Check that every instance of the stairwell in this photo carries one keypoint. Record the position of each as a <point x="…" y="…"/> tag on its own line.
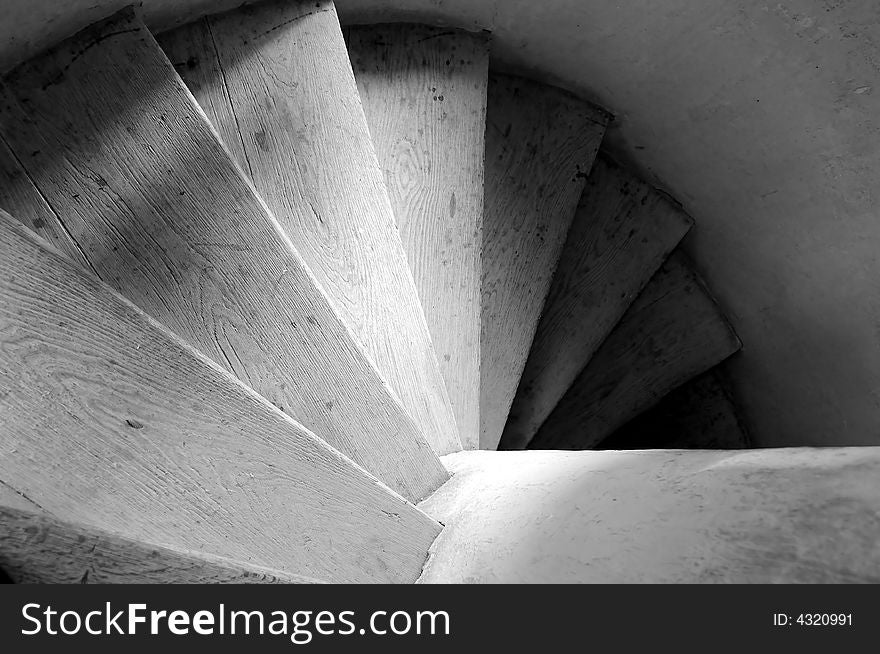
<point x="268" y="280"/>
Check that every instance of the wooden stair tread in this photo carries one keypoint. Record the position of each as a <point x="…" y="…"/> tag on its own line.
<point x="697" y="415"/>
<point x="291" y="102"/>
<point x="540" y="145"/>
<point x="138" y="180"/>
<point x="22" y="199"/>
<point x="424" y="95"/>
<point x="621" y="234"/>
<point x="37" y="548"/>
<point x="111" y="420"/>
<point x="673" y="332"/>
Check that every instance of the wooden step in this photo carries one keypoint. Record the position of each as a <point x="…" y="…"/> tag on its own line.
<point x="424" y="95"/>
<point x="142" y="188"/>
<point x="540" y="145"/>
<point x="697" y="415"/>
<point x="673" y="332"/>
<point x="21" y="198"/>
<point x="36" y="548"/>
<point x="276" y="80"/>
<point x="110" y="420"/>
<point x="622" y="232"/>
<point x="793" y="515"/>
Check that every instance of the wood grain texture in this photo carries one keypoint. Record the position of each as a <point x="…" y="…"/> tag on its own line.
<point x="144" y="190"/>
<point x="295" y="106"/>
<point x="112" y="421"/>
<point x="540" y="145"/>
<point x="36" y="548"/>
<point x="424" y="95"/>
<point x="19" y="197"/>
<point x="698" y="415"/>
<point x="192" y="52"/>
<point x="673" y="332"/>
<point x="622" y="231"/>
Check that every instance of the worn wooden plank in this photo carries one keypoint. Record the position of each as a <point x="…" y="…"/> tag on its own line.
<point x="192" y="52"/>
<point x="140" y="183"/>
<point x="673" y="332"/>
<point x="19" y="197"/>
<point x="36" y="548"/>
<point x="112" y="421"/>
<point x="424" y="94"/>
<point x="697" y="415"/>
<point x="540" y="145"/>
<point x="294" y="103"/>
<point x="622" y="232"/>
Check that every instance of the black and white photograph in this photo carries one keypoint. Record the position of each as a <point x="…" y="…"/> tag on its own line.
<point x="476" y="298"/>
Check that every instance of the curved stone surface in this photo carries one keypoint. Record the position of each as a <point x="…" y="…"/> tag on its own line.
<point x="658" y="516"/>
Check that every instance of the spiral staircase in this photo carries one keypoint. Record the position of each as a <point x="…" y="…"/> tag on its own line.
<point x="274" y="293"/>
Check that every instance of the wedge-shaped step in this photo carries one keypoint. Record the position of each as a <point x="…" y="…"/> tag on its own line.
<point x="622" y="232"/>
<point x="540" y="145"/>
<point x="112" y="421"/>
<point x="36" y="548"/>
<point x="19" y="197"/>
<point x="697" y="415"/>
<point x="276" y="80"/>
<point x="673" y="332"/>
<point x="141" y="188"/>
<point x="750" y="516"/>
<point x="424" y="95"/>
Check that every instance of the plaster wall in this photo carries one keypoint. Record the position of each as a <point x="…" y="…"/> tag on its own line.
<point x="760" y="117"/>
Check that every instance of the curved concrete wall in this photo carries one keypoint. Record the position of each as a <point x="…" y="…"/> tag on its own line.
<point x="760" y="117"/>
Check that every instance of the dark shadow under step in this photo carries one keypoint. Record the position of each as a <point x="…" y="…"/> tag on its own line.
<point x="697" y="415"/>
<point x="621" y="234"/>
<point x="673" y="332"/>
